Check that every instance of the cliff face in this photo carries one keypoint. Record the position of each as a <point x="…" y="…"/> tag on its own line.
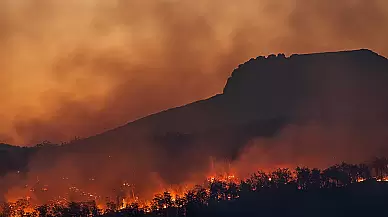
<point x="320" y="86"/>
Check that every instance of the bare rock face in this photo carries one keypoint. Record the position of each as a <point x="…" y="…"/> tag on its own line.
<point x="337" y="86"/>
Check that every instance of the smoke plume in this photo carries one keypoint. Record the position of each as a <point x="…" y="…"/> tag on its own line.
<point x="78" y="68"/>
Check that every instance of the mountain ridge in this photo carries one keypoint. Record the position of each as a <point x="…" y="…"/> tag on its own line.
<point x="238" y="69"/>
<point x="267" y="92"/>
<point x="262" y="98"/>
<point x="271" y="59"/>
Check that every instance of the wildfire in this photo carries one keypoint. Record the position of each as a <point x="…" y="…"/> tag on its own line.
<point x="223" y="178"/>
<point x="128" y="198"/>
<point x="384" y="179"/>
<point x="360" y="179"/>
<point x="124" y="204"/>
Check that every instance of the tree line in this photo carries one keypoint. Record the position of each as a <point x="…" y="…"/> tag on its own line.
<point x="272" y="192"/>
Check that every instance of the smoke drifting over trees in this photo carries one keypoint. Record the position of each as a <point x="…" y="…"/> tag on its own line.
<point x="79" y="68"/>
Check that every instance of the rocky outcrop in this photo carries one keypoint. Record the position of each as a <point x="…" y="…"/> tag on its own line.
<point x="279" y="85"/>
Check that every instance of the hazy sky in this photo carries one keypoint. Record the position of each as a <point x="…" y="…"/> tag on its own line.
<point x="76" y="68"/>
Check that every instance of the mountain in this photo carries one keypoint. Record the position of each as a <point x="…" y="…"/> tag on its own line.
<point x="275" y="88"/>
<point x="266" y="93"/>
<point x="262" y="97"/>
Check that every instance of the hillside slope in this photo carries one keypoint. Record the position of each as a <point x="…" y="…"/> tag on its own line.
<point x="345" y="93"/>
<point x="347" y="87"/>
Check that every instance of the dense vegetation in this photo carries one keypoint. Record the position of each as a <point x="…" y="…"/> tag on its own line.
<point x="340" y="190"/>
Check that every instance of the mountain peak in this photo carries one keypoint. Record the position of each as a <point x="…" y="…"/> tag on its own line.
<point x="263" y="67"/>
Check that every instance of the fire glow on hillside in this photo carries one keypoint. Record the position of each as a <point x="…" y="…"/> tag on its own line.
<point x="27" y="202"/>
<point x="219" y="186"/>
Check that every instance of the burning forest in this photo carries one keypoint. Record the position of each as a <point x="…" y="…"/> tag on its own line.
<point x="206" y="151"/>
<point x="167" y="122"/>
<point x="203" y="199"/>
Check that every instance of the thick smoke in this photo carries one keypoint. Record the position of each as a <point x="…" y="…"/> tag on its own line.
<point x="312" y="145"/>
<point x="79" y="68"/>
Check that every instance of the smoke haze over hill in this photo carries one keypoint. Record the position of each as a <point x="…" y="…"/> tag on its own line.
<point x="78" y="68"/>
<point x="275" y="111"/>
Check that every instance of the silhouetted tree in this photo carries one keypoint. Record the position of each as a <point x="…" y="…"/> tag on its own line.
<point x="201" y="195"/>
<point x="74" y="209"/>
<point x="303" y="177"/>
<point x="334" y="176"/>
<point x="43" y="210"/>
<point x="245" y="188"/>
<point x="158" y="202"/>
<point x="217" y="191"/>
<point x="259" y="180"/>
<point x="281" y="176"/>
<point x="59" y="210"/>
<point x="315" y="179"/>
<point x="180" y="203"/>
<point x="346" y="173"/>
<point x="162" y="203"/>
<point x="232" y="191"/>
<point x="196" y="199"/>
<point x="380" y="166"/>
<point x="111" y="207"/>
<point x="364" y="171"/>
<point x="131" y="210"/>
<point x="167" y="199"/>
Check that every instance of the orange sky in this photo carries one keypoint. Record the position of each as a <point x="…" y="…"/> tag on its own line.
<point x="76" y="68"/>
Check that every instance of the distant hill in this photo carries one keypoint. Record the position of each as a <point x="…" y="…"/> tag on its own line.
<point x="261" y="97"/>
<point x="13" y="158"/>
